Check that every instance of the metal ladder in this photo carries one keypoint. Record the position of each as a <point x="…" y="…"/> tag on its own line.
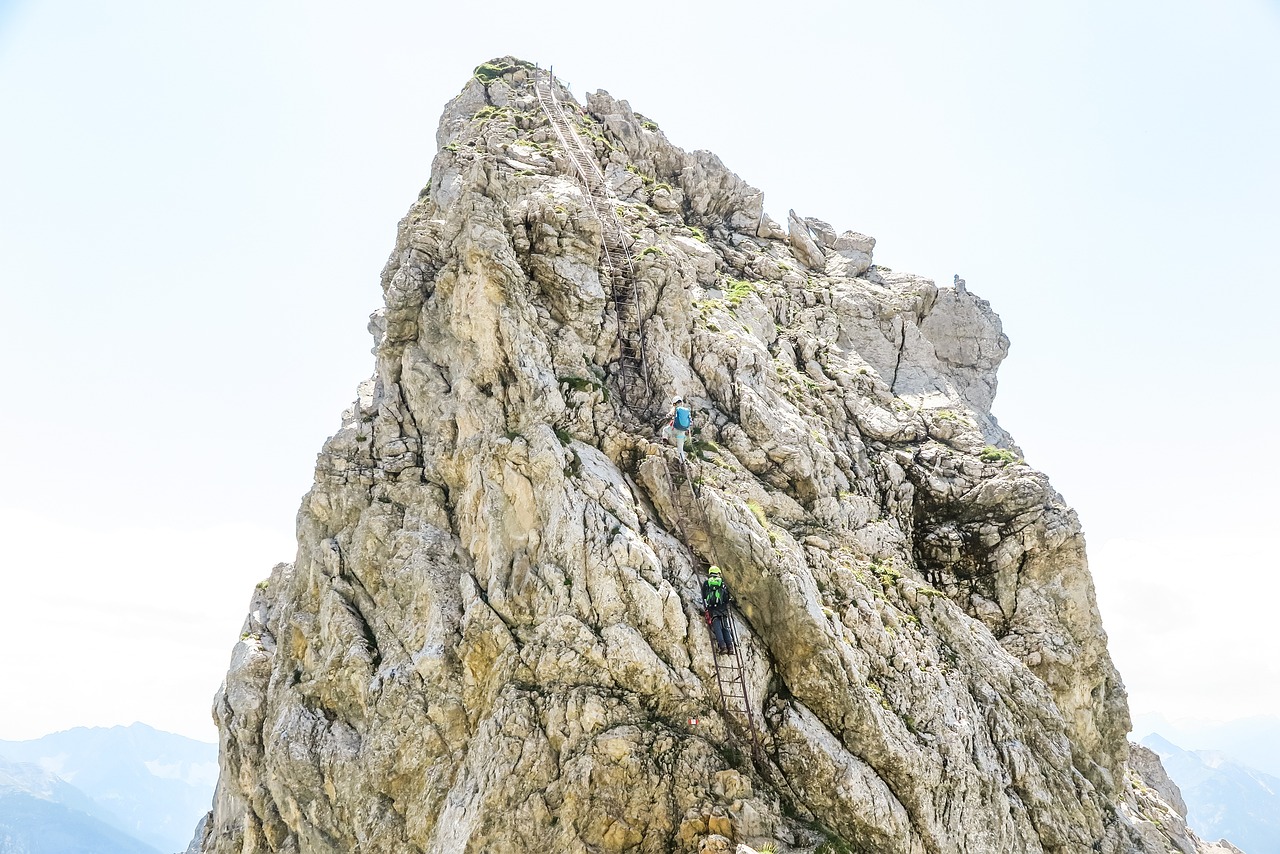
<point x="633" y="380"/>
<point x="633" y="369"/>
<point x="731" y="671"/>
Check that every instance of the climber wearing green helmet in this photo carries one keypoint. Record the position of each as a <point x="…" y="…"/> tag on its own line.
<point x="715" y="603"/>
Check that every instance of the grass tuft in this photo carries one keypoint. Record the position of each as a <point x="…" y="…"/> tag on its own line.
<point x="737" y="290"/>
<point x="992" y="454"/>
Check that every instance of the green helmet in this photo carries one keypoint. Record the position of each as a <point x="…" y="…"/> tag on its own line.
<point x="714" y="570"/>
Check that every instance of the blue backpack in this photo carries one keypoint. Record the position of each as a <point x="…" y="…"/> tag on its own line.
<point x="683" y="419"/>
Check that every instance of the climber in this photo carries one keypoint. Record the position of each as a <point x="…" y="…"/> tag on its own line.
<point x="679" y="421"/>
<point x="715" y="602"/>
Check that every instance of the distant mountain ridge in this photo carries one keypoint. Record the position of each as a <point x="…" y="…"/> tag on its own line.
<point x="1224" y="797"/>
<point x="1257" y="737"/>
<point x="153" y="785"/>
<point x="43" y="814"/>
<point x="31" y="779"/>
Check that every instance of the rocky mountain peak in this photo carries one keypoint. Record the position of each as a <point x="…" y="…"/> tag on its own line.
<point x="493" y="638"/>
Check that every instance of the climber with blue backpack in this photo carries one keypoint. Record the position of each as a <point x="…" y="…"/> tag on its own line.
<point x="715" y="603"/>
<point x="679" y="423"/>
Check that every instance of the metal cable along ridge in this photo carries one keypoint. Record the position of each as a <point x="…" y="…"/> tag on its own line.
<point x="632" y="372"/>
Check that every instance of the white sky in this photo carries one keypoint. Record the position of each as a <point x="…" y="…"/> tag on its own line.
<point x="196" y="200"/>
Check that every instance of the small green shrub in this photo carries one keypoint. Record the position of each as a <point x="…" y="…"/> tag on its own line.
<point x="992" y="454"/>
<point x="887" y="572"/>
<point x="487" y="72"/>
<point x="875" y="688"/>
<point x="738" y="290"/>
<point x="580" y="383"/>
<point x="833" y="845"/>
<point x="697" y="233"/>
<point x="701" y="447"/>
<point x="646" y="180"/>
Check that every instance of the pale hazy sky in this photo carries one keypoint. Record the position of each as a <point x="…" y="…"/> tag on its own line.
<point x="196" y="200"/>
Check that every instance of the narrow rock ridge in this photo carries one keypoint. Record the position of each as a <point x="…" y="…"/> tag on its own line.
<point x="491" y="638"/>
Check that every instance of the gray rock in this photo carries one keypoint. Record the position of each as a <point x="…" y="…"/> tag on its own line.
<point x="802" y="244"/>
<point x="855" y="242"/>
<point x="491" y="638"/>
<point x="1154" y="807"/>
<point x="770" y="230"/>
<point x="197" y="838"/>
<point x="1147" y="764"/>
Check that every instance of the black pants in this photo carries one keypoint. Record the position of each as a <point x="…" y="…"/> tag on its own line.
<point x="721" y="630"/>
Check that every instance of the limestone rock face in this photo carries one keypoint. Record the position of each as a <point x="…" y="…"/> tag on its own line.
<point x="197" y="838"/>
<point x="1153" y="805"/>
<point x="491" y="638"/>
<point x="1146" y="764"/>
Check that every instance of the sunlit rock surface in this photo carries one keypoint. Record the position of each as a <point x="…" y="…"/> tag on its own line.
<point x="491" y="640"/>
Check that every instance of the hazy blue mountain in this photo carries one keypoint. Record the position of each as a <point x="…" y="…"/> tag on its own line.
<point x="42" y="814"/>
<point x="1257" y="738"/>
<point x="28" y="779"/>
<point x="1225" y="799"/>
<point x="155" y="785"/>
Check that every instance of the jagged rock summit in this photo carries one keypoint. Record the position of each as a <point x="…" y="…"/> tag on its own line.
<point x="491" y="638"/>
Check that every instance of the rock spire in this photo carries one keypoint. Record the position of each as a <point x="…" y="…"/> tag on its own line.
<point x="491" y="638"/>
